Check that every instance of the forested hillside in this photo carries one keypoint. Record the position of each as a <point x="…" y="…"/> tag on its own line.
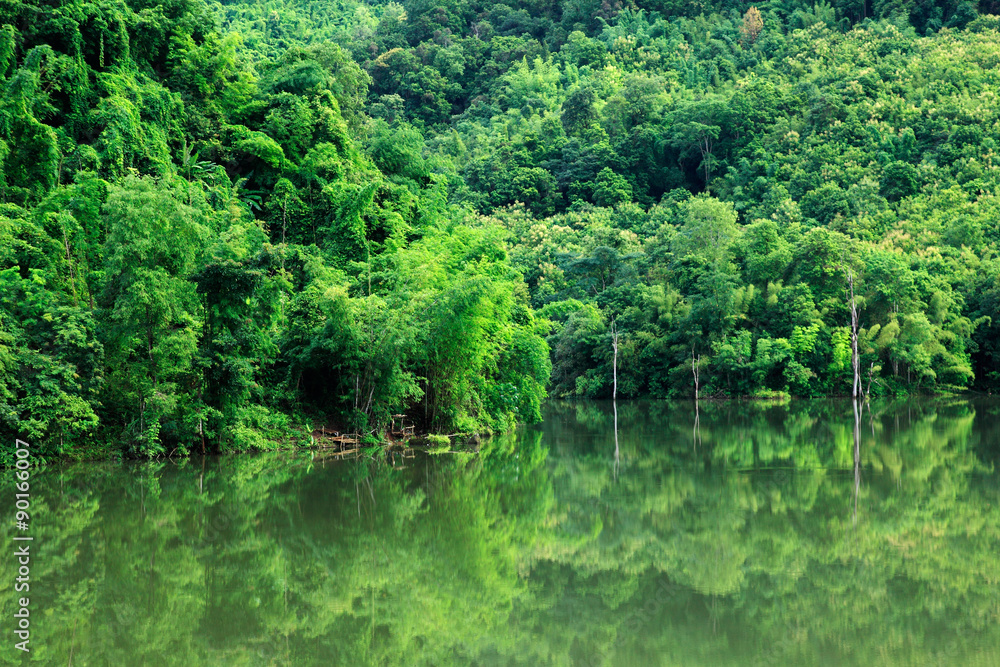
<point x="223" y="222"/>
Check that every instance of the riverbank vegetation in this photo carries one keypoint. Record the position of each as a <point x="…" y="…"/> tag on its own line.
<point x="221" y="222"/>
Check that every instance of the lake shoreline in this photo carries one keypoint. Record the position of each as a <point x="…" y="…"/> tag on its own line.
<point x="348" y="443"/>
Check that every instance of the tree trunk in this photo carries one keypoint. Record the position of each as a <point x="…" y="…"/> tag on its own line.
<point x="696" y="371"/>
<point x="614" y="367"/>
<point x="855" y="359"/>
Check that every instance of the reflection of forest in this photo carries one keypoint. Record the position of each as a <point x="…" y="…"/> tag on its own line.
<point x="735" y="547"/>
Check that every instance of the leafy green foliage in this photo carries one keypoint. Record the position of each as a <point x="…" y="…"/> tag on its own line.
<point x="199" y="253"/>
<point x="261" y="214"/>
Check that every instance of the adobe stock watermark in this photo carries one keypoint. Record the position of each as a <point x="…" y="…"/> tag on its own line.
<point x="22" y="552"/>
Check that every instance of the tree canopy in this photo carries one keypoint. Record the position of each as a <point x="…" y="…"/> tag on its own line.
<point x="222" y="222"/>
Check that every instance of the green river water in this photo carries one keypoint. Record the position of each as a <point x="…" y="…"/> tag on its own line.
<point x="756" y="534"/>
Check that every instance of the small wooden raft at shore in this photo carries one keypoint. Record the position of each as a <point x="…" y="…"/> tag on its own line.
<point x="322" y="440"/>
<point x="403" y="430"/>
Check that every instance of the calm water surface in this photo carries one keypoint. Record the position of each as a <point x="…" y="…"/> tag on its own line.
<point x="763" y="534"/>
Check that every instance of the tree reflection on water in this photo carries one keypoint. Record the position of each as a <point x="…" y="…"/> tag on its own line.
<point x="758" y="546"/>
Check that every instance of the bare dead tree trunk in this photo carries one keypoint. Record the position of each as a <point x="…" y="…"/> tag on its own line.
<point x="855" y="359"/>
<point x="696" y="371"/>
<point x="614" y="367"/>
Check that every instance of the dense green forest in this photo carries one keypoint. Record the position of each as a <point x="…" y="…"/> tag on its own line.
<point x="223" y="223"/>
